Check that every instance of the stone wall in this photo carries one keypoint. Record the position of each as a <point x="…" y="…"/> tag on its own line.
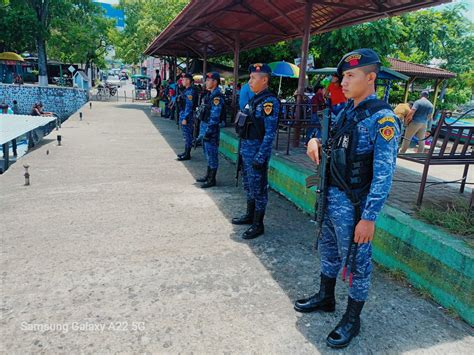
<point x="63" y="101"/>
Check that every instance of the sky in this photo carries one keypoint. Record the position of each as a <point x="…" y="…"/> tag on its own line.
<point x="111" y="2"/>
<point x="470" y="9"/>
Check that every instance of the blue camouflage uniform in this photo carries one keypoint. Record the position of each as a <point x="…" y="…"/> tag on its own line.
<point x="257" y="152"/>
<point x="359" y="157"/>
<point x="210" y="130"/>
<point x="186" y="113"/>
<point x="378" y="134"/>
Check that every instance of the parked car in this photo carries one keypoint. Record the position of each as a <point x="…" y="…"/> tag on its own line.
<point x="113" y="80"/>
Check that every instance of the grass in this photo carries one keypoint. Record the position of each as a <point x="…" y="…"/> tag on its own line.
<point x="456" y="217"/>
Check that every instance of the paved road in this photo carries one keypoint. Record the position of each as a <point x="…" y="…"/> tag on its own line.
<point x="114" y="248"/>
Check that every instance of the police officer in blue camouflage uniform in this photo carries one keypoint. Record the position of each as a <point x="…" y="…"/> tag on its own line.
<point x="210" y="111"/>
<point x="186" y="102"/>
<point x="256" y="127"/>
<point x="362" y="150"/>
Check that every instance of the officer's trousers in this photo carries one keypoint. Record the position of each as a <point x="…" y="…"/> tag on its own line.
<point x="336" y="236"/>
<point x="188" y="133"/>
<point x="211" y="151"/>
<point x="255" y="181"/>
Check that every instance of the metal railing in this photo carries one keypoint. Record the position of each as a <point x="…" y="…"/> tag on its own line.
<point x="309" y="118"/>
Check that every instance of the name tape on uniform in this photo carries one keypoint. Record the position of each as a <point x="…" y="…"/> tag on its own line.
<point x="386" y="119"/>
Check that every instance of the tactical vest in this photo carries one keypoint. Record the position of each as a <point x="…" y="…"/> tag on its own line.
<point x="204" y="110"/>
<point x="350" y="171"/>
<point x="181" y="99"/>
<point x="252" y="127"/>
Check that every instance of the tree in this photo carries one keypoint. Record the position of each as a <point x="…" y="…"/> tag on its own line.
<point x="383" y="36"/>
<point x="446" y="35"/>
<point x="83" y="35"/>
<point x="144" y="20"/>
<point x="70" y="30"/>
<point x="443" y="34"/>
<point x="15" y="26"/>
<point x="41" y="23"/>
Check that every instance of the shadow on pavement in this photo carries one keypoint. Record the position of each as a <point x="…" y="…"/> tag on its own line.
<point x="395" y="319"/>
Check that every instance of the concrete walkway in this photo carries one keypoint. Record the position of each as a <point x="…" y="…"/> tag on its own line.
<point x="113" y="248"/>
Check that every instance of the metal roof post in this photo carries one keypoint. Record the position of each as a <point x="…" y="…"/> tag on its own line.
<point x="438" y="83"/>
<point x="204" y="65"/>
<point x="407" y="87"/>
<point x="302" y="77"/>
<point x="187" y="62"/>
<point x="236" y="73"/>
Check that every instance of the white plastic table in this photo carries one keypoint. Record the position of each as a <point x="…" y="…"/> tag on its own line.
<point x="14" y="126"/>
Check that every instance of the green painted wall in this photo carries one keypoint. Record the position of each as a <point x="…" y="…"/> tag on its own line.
<point x="430" y="258"/>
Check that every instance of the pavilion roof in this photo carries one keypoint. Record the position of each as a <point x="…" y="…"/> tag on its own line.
<point x="419" y="71"/>
<point x="211" y="27"/>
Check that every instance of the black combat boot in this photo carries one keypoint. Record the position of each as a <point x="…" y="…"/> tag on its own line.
<point x="186" y="155"/>
<point x="247" y="218"/>
<point x="211" y="181"/>
<point x="324" y="300"/>
<point x="204" y="178"/>
<point x="348" y="327"/>
<point x="257" y="228"/>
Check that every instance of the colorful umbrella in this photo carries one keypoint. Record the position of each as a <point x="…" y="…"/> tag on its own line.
<point x="198" y="79"/>
<point x="11" y="56"/>
<point x="284" y="69"/>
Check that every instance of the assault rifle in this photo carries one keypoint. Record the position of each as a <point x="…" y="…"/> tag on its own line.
<point x="320" y="179"/>
<point x="239" y="164"/>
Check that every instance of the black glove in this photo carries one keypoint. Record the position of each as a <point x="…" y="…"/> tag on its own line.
<point x="258" y="166"/>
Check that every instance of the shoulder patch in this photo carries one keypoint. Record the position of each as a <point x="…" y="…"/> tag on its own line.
<point x="386" y="119"/>
<point x="190" y="97"/>
<point x="216" y="101"/>
<point x="387" y="132"/>
<point x="268" y="108"/>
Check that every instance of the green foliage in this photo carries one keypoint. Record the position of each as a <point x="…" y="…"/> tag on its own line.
<point x="447" y="35"/>
<point x="75" y="30"/>
<point x="442" y="34"/>
<point x="144" y="20"/>
<point x="17" y="33"/>
<point x="286" y="51"/>
<point x="459" y="92"/>
<point x="383" y="36"/>
<point x="82" y="36"/>
<point x="276" y="52"/>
